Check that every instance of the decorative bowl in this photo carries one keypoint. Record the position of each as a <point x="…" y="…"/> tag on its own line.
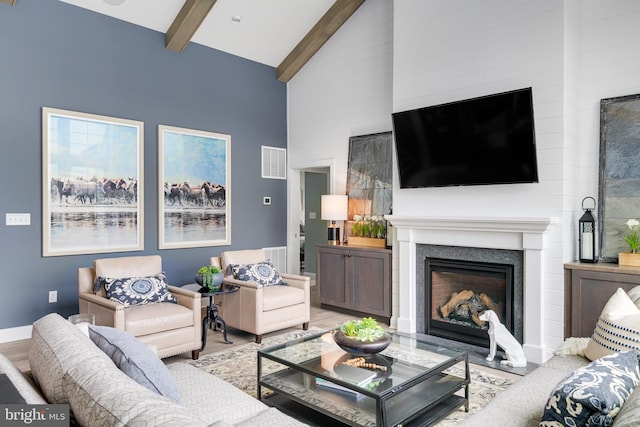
<point x="361" y="348"/>
<point x="213" y="284"/>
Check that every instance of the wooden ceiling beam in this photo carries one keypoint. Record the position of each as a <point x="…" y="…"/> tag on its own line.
<point x="186" y="24"/>
<point x="9" y="2"/>
<point x="337" y="15"/>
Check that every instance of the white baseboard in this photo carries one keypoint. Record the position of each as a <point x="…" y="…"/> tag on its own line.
<point x="536" y="354"/>
<point x="15" y="334"/>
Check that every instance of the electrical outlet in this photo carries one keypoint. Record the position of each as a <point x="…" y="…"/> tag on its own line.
<point x="53" y="296"/>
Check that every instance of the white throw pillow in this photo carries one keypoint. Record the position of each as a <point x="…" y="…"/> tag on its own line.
<point x="634" y="294"/>
<point x="618" y="328"/>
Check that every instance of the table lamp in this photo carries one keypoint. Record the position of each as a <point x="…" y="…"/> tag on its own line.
<point x="333" y="207"/>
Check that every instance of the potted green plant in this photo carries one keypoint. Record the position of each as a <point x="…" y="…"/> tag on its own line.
<point x="210" y="276"/>
<point x="368" y="231"/>
<point x="362" y="336"/>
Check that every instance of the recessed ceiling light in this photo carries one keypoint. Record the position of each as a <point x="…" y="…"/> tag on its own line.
<point x="236" y="19"/>
<point x="114" y="2"/>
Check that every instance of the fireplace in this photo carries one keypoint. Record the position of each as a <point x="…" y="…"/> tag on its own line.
<point x="525" y="236"/>
<point x="458" y="291"/>
<point x="497" y="273"/>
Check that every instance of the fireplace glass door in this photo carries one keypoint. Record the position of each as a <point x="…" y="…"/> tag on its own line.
<point x="459" y="291"/>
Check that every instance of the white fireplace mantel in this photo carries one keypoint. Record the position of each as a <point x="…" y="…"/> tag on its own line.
<point x="500" y="224"/>
<point x="514" y="233"/>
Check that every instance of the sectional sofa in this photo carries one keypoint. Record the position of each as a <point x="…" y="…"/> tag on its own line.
<point x="68" y="368"/>
<point x="570" y="387"/>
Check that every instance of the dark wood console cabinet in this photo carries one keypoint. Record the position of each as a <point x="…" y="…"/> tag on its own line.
<point x="587" y="288"/>
<point x="355" y="278"/>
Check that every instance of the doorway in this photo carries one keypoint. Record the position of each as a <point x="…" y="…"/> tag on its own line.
<point x="297" y="216"/>
<point x="313" y="230"/>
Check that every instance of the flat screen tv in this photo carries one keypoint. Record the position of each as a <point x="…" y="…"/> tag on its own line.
<point x="478" y="141"/>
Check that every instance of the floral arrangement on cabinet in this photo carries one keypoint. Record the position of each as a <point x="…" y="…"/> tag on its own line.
<point x="369" y="226"/>
<point x="633" y="257"/>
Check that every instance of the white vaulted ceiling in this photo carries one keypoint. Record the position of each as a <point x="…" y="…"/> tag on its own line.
<point x="268" y="31"/>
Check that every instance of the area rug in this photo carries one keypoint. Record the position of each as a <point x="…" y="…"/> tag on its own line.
<point x="237" y="366"/>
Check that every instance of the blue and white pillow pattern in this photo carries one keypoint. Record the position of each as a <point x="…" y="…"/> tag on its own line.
<point x="130" y="291"/>
<point x="593" y="395"/>
<point x="262" y="273"/>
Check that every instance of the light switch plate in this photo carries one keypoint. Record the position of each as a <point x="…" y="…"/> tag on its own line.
<point x="18" y="219"/>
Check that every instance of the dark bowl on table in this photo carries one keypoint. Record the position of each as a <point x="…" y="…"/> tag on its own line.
<point x="361" y="348"/>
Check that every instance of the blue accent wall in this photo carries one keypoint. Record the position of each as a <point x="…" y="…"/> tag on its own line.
<point x="56" y="55"/>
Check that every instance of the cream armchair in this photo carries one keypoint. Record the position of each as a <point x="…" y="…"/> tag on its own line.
<point x="171" y="328"/>
<point x="261" y="309"/>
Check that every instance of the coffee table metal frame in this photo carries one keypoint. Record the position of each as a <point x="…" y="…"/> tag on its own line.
<point x="416" y="391"/>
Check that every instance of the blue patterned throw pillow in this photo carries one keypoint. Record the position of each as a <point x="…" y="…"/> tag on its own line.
<point x="593" y="395"/>
<point x="130" y="291"/>
<point x="262" y="273"/>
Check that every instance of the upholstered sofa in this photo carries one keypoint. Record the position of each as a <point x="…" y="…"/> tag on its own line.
<point x="172" y="328"/>
<point x="522" y="404"/>
<point x="616" y="334"/>
<point x="68" y="368"/>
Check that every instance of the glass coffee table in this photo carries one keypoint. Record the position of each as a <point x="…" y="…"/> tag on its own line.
<point x="410" y="383"/>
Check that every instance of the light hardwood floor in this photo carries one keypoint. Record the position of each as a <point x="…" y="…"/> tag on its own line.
<point x="321" y="317"/>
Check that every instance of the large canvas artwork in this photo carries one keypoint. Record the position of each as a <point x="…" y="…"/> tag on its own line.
<point x="92" y="190"/>
<point x="369" y="178"/>
<point x="194" y="181"/>
<point x="619" y="172"/>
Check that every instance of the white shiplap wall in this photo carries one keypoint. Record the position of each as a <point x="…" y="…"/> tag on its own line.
<point x="446" y="51"/>
<point x="393" y="56"/>
<point x="343" y="91"/>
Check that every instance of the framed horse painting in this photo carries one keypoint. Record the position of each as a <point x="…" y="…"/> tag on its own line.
<point x="194" y="182"/>
<point x="92" y="189"/>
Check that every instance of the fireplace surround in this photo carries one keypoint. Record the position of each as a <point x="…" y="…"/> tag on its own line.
<point x="526" y="234"/>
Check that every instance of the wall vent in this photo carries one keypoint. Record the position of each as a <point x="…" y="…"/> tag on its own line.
<point x="278" y="257"/>
<point x="274" y="162"/>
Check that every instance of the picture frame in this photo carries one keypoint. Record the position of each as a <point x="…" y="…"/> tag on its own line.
<point x="370" y="177"/>
<point x="92" y="189"/>
<point x="619" y="174"/>
<point x="194" y="177"/>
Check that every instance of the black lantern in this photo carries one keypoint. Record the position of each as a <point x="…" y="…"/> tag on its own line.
<point x="587" y="233"/>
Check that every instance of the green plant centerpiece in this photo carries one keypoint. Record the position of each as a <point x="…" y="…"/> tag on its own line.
<point x="362" y="337"/>
<point x="210" y="277"/>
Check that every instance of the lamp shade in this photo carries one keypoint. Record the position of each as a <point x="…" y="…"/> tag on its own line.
<point x="333" y="207"/>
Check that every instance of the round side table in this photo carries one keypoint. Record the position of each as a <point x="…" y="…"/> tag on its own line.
<point x="212" y="317"/>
